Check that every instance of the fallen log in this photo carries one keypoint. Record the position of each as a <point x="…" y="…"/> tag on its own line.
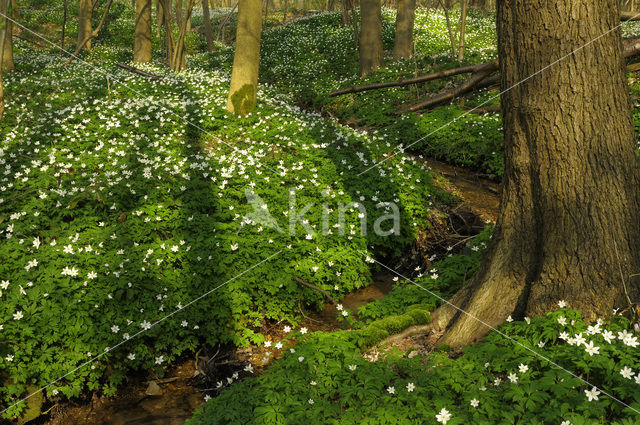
<point x="135" y="70"/>
<point x="465" y="87"/>
<point x="631" y="47"/>
<point x="482" y="79"/>
<point x="630" y="16"/>
<point x="404" y="82"/>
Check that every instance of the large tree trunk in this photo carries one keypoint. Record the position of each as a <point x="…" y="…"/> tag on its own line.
<point x="84" y="22"/>
<point x="403" y="45"/>
<point x="246" y="61"/>
<point x="208" y="31"/>
<point x="568" y="227"/>
<point x="142" y="41"/>
<point x="371" y="54"/>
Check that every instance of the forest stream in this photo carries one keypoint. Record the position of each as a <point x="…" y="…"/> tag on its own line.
<point x="171" y="400"/>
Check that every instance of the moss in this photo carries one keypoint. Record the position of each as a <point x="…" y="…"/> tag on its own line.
<point x="394" y="324"/>
<point x="421" y="317"/>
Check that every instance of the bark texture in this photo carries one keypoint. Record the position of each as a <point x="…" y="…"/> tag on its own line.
<point x="246" y="60"/>
<point x="371" y="54"/>
<point x="568" y="227"/>
<point x="403" y="44"/>
<point x="7" y="34"/>
<point x="142" y="41"/>
<point x="84" y="22"/>
<point x="208" y="30"/>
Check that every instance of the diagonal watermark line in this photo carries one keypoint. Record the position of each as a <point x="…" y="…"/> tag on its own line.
<point x="162" y="319"/>
<point x="114" y="78"/>
<point x="540" y="71"/>
<point x="534" y="352"/>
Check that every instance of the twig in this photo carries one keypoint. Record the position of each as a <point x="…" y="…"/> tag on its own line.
<point x="308" y="285"/>
<point x="135" y="70"/>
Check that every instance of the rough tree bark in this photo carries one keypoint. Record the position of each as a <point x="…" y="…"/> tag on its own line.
<point x="84" y="22"/>
<point x="568" y="227"/>
<point x="371" y="54"/>
<point x="142" y="41"/>
<point x="246" y="61"/>
<point x="403" y="44"/>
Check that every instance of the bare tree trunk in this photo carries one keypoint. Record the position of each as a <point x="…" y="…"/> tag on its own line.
<point x="208" y="30"/>
<point x="7" y="44"/>
<point x="64" y="25"/>
<point x="463" y="28"/>
<point x="452" y="38"/>
<point x="4" y="9"/>
<point x="84" y="22"/>
<point x="371" y="54"/>
<point x="403" y="45"/>
<point x="159" y="17"/>
<point x="568" y="227"/>
<point x="246" y="61"/>
<point x="142" y="41"/>
<point x="178" y="13"/>
<point x="91" y="35"/>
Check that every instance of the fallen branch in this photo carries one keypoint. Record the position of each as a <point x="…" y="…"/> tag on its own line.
<point x="629" y="16"/>
<point x="135" y="70"/>
<point x="631" y="47"/>
<point x="310" y="286"/>
<point x="481" y="79"/>
<point x="404" y="82"/>
<point x="465" y="87"/>
<point x="91" y="36"/>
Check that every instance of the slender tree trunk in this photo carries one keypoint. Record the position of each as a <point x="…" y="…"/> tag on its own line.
<point x="84" y="22"/>
<point x="208" y="31"/>
<point x="568" y="227"/>
<point x="7" y="45"/>
<point x="64" y="25"/>
<point x="403" y="46"/>
<point x="463" y="28"/>
<point x="452" y="38"/>
<point x="371" y="54"/>
<point x="142" y="41"/>
<point x="159" y="17"/>
<point x="178" y="13"/>
<point x="246" y="61"/>
<point x="4" y="9"/>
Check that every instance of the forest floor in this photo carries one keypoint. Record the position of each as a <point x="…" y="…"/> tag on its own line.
<point x="173" y="399"/>
<point x="117" y="164"/>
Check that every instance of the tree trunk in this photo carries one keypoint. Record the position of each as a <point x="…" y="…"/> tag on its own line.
<point x="568" y="227"/>
<point x="142" y="41"/>
<point x="246" y="61"/>
<point x="7" y="35"/>
<point x="159" y="17"/>
<point x="403" y="46"/>
<point x="4" y="9"/>
<point x="463" y="29"/>
<point x="371" y="54"/>
<point x="64" y="25"/>
<point x="208" y="31"/>
<point x="84" y="22"/>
